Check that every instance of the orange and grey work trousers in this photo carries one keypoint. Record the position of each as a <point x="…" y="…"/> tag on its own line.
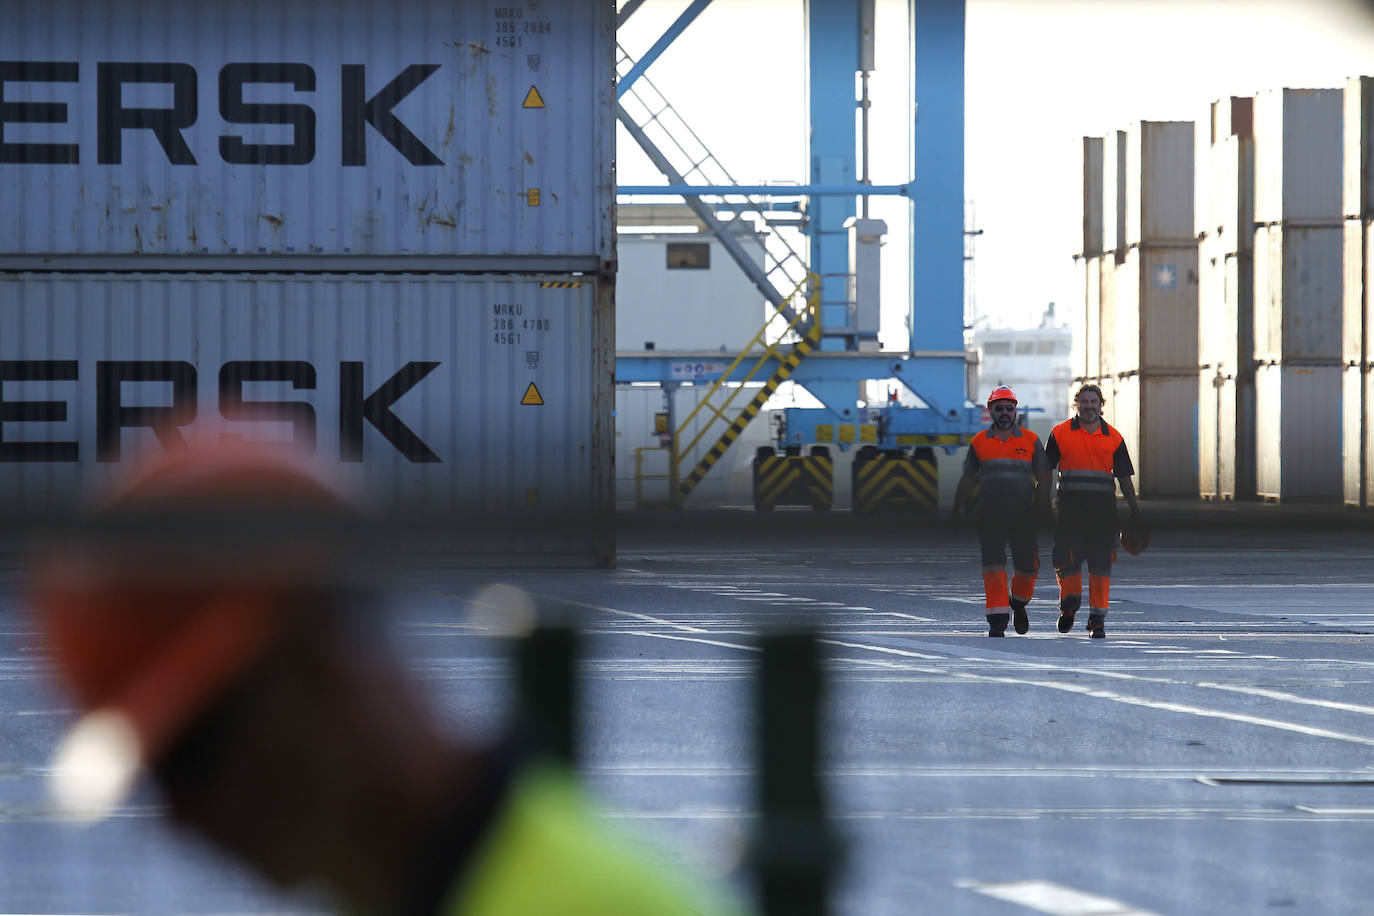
<point x="996" y="531"/>
<point x="1085" y="532"/>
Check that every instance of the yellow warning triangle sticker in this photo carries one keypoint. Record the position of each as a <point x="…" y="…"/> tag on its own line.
<point x="533" y="99"/>
<point x="532" y="397"/>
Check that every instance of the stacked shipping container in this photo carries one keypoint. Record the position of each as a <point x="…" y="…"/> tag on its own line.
<point x="1297" y="294"/>
<point x="1358" y="253"/>
<point x="392" y="246"/>
<point x="1224" y="196"/>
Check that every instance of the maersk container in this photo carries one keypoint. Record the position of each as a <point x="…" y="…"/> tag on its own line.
<point x="1090" y="156"/>
<point x="1298" y="433"/>
<point x="1298" y="305"/>
<point x="1157" y="417"/>
<point x="485" y="396"/>
<point x="1298" y="156"/>
<point x="1159" y="183"/>
<point x="1157" y="311"/>
<point x="468" y="136"/>
<point x="1358" y="154"/>
<point x="1114" y="193"/>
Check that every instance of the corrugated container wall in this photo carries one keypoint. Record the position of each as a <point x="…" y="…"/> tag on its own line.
<point x="1090" y="154"/>
<point x="385" y="231"/>
<point x="400" y="382"/>
<point x="448" y="130"/>
<point x="1159" y="183"/>
<point x="1298" y="156"/>
<point x="1298" y="433"/>
<point x="1358" y="157"/>
<point x="1108" y="303"/>
<point x="1092" y="337"/>
<point x="1298" y="307"/>
<point x="1157" y="417"/>
<point x="1225" y="118"/>
<point x="1114" y="193"/>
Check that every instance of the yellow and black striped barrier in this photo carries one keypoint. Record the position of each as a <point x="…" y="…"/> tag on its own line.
<point x="794" y="480"/>
<point x="895" y="481"/>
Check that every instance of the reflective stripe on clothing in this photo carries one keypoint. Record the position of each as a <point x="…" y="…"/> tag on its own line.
<point x="1006" y="469"/>
<point x="1088" y="461"/>
<point x="1103" y="481"/>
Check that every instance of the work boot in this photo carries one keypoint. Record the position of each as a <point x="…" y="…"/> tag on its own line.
<point x="1018" y="616"/>
<point x="1097" y="626"/>
<point x="1068" y="606"/>
<point x="997" y="624"/>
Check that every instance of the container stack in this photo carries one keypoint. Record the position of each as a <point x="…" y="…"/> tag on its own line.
<point x="1154" y="358"/>
<point x="1087" y="366"/>
<point x="1358" y="242"/>
<point x="1224" y="213"/>
<point x="1297" y="294"/>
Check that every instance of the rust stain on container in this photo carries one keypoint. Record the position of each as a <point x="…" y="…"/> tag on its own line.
<point x="276" y="221"/>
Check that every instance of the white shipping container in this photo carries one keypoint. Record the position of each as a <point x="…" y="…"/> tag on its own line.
<point x="1107" y="302"/>
<point x="1157" y="311"/>
<point x="1358" y="154"/>
<point x="1090" y="154"/>
<point x="489" y="395"/>
<point x="1231" y="169"/>
<point x="1226" y="435"/>
<point x="1298" y="156"/>
<point x="683" y="292"/>
<point x="1354" y="417"/>
<point x="1225" y="309"/>
<point x="1114" y="192"/>
<point x="1158" y="418"/>
<point x="1298" y="428"/>
<point x="1223" y="119"/>
<point x="1092" y="361"/>
<point x="1297" y="293"/>
<point x="1159" y="183"/>
<point x="467" y="134"/>
<point x="1355" y="292"/>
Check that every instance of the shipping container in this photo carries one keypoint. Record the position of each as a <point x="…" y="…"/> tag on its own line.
<point x="1157" y="311"/>
<point x="1298" y="429"/>
<point x="1090" y="155"/>
<point x="1358" y="154"/>
<point x="1225" y="309"/>
<point x="1298" y="304"/>
<point x="1092" y="359"/>
<point x="1108" y="325"/>
<point x="1159" y="183"/>
<point x="1358" y="296"/>
<point x="1226" y="435"/>
<point x="1298" y="156"/>
<point x="1224" y="119"/>
<point x="481" y="395"/>
<point x="1158" y="418"/>
<point x="1114" y="193"/>
<point x="1230" y="168"/>
<point x="467" y="136"/>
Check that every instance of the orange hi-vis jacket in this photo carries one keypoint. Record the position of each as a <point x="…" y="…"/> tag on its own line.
<point x="1006" y="470"/>
<point x="1088" y="462"/>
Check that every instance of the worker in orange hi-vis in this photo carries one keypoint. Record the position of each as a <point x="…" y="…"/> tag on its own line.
<point x="208" y="626"/>
<point x="1092" y="459"/>
<point x="1010" y="467"/>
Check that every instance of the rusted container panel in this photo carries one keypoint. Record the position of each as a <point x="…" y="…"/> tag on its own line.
<point x="1159" y="183"/>
<point x="476" y="395"/>
<point x="1298" y="156"/>
<point x="1298" y="428"/>
<point x="299" y="128"/>
<point x="1358" y="155"/>
<point x="1298" y="298"/>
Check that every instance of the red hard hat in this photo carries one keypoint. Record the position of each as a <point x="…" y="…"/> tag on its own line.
<point x="1001" y="393"/>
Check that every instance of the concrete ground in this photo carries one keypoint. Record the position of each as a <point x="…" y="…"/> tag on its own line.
<point x="1214" y="754"/>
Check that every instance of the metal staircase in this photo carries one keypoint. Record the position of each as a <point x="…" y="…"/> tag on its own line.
<point x="796" y="331"/>
<point x="680" y="155"/>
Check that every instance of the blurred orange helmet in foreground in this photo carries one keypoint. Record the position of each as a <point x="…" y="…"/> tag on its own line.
<point x="168" y="593"/>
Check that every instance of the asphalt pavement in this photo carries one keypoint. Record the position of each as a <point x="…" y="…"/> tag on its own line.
<point x="1215" y="754"/>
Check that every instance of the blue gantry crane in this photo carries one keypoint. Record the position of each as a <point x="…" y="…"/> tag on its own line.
<point x="823" y="331"/>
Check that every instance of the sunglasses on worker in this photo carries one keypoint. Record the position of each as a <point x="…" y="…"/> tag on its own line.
<point x="1003" y="408"/>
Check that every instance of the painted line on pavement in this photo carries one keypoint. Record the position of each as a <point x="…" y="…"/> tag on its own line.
<point x="1055" y="899"/>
